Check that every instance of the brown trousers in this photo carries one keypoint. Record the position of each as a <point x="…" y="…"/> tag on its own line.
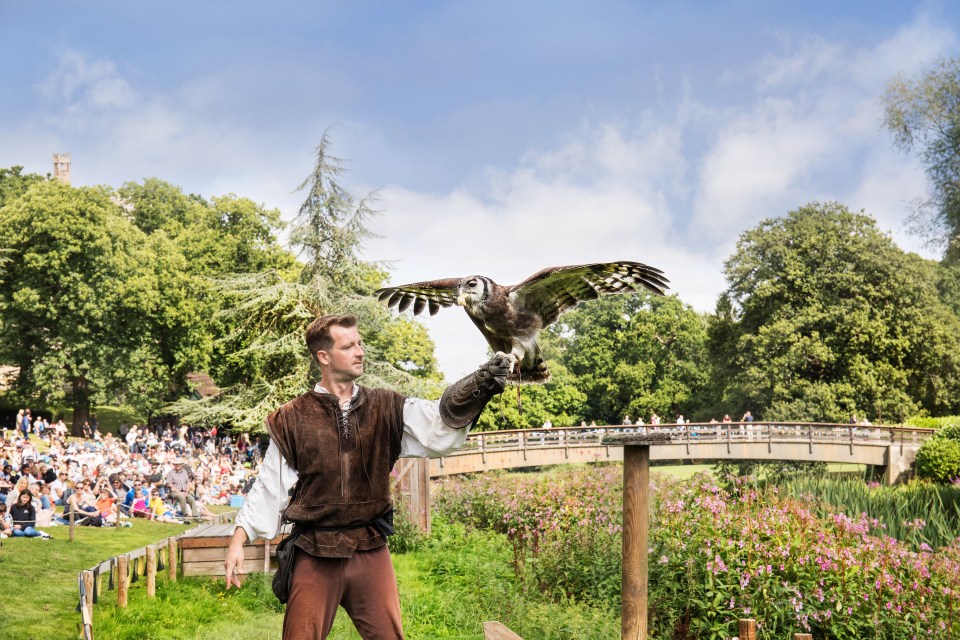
<point x="363" y="584"/>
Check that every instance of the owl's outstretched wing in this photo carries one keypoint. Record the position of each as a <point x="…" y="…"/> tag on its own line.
<point x="433" y="294"/>
<point x="552" y="291"/>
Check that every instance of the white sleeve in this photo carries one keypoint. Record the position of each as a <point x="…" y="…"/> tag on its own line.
<point x="266" y="500"/>
<point x="425" y="434"/>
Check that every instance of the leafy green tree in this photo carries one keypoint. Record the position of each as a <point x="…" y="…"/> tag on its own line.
<point x="77" y="298"/>
<point x="14" y="183"/>
<point x="227" y="234"/>
<point x="825" y="317"/>
<point x="633" y="355"/>
<point x="923" y="114"/>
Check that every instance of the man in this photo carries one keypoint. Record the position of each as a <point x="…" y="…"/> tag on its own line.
<point x="25" y="422"/>
<point x="179" y="480"/>
<point x="335" y="447"/>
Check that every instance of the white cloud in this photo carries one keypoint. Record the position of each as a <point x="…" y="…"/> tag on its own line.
<point x="82" y="88"/>
<point x="817" y="113"/>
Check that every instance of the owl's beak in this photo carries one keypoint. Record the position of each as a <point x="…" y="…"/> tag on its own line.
<point x="461" y="300"/>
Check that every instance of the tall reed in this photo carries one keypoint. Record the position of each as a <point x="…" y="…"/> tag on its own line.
<point x="918" y="513"/>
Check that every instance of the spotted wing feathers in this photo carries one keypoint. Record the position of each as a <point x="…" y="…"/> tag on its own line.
<point x="552" y="291"/>
<point x="432" y="295"/>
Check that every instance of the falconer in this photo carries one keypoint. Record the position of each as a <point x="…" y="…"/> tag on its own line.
<point x="327" y="470"/>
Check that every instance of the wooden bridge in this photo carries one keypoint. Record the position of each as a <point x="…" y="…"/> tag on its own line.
<point x="893" y="448"/>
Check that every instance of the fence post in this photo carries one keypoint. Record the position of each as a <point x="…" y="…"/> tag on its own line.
<point x="88" y="589"/>
<point x="86" y="604"/>
<point x="172" y="559"/>
<point x="151" y="571"/>
<point x="803" y="636"/>
<point x="748" y="629"/>
<point x="123" y="582"/>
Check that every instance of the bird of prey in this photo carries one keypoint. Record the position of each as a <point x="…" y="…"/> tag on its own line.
<point x="510" y="318"/>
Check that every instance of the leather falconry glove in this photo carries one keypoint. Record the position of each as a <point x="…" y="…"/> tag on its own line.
<point x="463" y="400"/>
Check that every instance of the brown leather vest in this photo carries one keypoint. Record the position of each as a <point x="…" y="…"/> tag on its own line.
<point x="343" y="463"/>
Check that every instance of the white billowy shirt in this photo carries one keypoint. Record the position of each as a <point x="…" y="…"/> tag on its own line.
<point x="425" y="435"/>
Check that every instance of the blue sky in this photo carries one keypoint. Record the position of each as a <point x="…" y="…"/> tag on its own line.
<point x="502" y="137"/>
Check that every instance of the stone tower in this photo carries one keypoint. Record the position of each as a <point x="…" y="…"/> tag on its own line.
<point x="61" y="167"/>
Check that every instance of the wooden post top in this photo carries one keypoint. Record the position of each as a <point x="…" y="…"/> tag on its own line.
<point x="633" y="439"/>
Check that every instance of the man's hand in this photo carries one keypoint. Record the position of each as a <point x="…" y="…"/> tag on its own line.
<point x="234" y="562"/>
<point x="234" y="565"/>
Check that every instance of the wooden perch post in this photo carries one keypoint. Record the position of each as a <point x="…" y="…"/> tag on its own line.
<point x="636" y="522"/>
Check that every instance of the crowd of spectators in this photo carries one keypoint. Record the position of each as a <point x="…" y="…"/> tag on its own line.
<point x="162" y="472"/>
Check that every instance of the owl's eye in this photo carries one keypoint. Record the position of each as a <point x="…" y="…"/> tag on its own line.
<point x="472" y="283"/>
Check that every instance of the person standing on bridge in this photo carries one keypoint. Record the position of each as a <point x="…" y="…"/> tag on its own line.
<point x="334" y="447"/>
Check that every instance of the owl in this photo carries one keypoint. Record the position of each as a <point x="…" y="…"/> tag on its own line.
<point x="511" y="317"/>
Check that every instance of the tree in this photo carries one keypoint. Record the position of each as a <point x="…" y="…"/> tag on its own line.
<point x="266" y="361"/>
<point x="633" y="355"/>
<point x="14" y="183"/>
<point x="227" y="234"/>
<point x="824" y="317"/>
<point x="76" y="298"/>
<point x="923" y="114"/>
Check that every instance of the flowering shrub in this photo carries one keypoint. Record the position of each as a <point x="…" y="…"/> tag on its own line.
<point x="718" y="555"/>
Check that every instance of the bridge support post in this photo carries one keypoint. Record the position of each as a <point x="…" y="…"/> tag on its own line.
<point x="900" y="459"/>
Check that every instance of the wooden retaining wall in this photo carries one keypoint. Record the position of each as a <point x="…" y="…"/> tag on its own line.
<point x="204" y="548"/>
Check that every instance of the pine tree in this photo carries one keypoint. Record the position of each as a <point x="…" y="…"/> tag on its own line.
<point x="267" y="362"/>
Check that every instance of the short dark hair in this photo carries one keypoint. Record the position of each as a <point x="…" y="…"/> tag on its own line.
<point x="318" y="333"/>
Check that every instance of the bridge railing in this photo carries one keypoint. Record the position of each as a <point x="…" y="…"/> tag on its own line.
<point x="489" y="441"/>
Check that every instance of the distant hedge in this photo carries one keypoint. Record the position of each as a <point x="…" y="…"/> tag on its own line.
<point x="922" y="422"/>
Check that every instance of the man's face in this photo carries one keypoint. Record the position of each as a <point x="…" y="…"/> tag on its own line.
<point x="345" y="357"/>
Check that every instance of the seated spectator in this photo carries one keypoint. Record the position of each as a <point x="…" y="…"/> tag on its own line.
<point x="57" y="488"/>
<point x="6" y="521"/>
<point x="21" y="485"/>
<point x="107" y="506"/>
<point x="139" y="507"/>
<point x="25" y="517"/>
<point x="84" y="507"/>
<point x="161" y="512"/>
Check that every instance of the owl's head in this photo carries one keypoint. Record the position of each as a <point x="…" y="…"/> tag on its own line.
<point x="472" y="290"/>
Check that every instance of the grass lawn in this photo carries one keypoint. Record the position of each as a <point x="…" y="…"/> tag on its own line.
<point x="39" y="577"/>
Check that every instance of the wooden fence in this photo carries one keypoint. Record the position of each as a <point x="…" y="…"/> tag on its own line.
<point x="126" y="569"/>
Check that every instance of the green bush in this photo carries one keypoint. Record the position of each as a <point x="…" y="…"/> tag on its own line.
<point x="939" y="460"/>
